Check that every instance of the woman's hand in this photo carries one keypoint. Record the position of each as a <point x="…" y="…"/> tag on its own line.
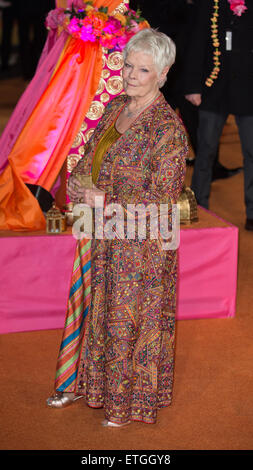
<point x="78" y="194"/>
<point x="75" y="190"/>
<point x="194" y="98"/>
<point x="91" y="194"/>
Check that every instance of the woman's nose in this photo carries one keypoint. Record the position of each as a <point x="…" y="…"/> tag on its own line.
<point x="132" y="73"/>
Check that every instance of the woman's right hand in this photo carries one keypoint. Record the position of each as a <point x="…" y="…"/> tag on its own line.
<point x="75" y="190"/>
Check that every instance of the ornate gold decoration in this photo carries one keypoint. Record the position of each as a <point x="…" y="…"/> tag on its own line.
<point x="188" y="206"/>
<point x="105" y="73"/>
<point x="96" y="110"/>
<point x="68" y="211"/>
<point x="55" y="220"/>
<point x="78" y="140"/>
<point x="88" y="134"/>
<point x="114" y="85"/>
<point x="72" y="161"/>
<point x="84" y="126"/>
<point x="104" y="97"/>
<point x="81" y="150"/>
<point x="101" y="86"/>
<point x="122" y="7"/>
<point x="115" y="61"/>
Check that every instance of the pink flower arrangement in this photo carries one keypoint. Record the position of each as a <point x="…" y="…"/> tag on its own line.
<point x="55" y="18"/>
<point x="237" y="6"/>
<point x="86" y="22"/>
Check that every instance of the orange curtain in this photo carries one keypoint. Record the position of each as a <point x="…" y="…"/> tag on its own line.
<point x="44" y="142"/>
<point x="111" y="4"/>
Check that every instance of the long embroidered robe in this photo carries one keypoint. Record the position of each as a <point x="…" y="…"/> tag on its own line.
<point x="126" y="362"/>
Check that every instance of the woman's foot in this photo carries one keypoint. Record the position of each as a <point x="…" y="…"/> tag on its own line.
<point x="62" y="399"/>
<point x="106" y="422"/>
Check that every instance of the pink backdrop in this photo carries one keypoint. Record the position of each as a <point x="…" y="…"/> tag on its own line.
<point x="34" y="283"/>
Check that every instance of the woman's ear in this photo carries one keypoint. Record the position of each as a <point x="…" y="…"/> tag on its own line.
<point x="164" y="74"/>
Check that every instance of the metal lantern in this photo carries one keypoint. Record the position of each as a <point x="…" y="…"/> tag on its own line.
<point x="188" y="206"/>
<point x="56" y="221"/>
<point x="68" y="211"/>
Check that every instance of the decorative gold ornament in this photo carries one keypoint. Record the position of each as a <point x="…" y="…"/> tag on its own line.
<point x="114" y="85"/>
<point x="78" y="140"/>
<point x="96" y="110"/>
<point x="104" y="97"/>
<point x="214" y="27"/>
<point x="81" y="150"/>
<point x="72" y="161"/>
<point x="83" y="126"/>
<point x="88" y="134"/>
<point x="101" y="86"/>
<point x="105" y="73"/>
<point x="115" y="61"/>
<point x="55" y="220"/>
<point x="68" y="211"/>
<point x="188" y="206"/>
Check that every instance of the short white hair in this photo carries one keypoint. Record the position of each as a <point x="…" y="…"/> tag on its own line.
<point x="151" y="41"/>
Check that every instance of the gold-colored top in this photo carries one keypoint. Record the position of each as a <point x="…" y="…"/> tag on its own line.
<point x="110" y="136"/>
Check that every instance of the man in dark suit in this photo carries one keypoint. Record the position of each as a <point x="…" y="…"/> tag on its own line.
<point x="175" y="18"/>
<point x="229" y="93"/>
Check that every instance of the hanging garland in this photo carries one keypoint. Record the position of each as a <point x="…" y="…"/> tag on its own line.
<point x="216" y="44"/>
<point x="238" y="7"/>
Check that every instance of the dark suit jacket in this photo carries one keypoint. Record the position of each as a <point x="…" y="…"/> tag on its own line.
<point x="172" y="17"/>
<point x="232" y="91"/>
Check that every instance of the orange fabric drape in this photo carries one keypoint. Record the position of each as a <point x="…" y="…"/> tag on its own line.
<point x="43" y="144"/>
<point x="111" y="4"/>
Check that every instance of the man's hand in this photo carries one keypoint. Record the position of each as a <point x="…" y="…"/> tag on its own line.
<point x="194" y="98"/>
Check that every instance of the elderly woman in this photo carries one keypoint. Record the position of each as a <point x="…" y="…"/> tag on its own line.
<point x="136" y="155"/>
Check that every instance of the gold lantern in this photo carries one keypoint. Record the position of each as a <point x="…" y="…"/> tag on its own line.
<point x="56" y="221"/>
<point x="68" y="211"/>
<point x="188" y="206"/>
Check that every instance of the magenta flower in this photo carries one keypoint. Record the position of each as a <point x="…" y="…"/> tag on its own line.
<point x="73" y="26"/>
<point x="112" y="25"/>
<point x="237" y="6"/>
<point x="87" y="33"/>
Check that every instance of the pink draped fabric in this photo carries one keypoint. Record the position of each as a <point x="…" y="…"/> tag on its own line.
<point x="32" y="94"/>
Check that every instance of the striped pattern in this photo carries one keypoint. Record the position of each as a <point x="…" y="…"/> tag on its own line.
<point x="77" y="310"/>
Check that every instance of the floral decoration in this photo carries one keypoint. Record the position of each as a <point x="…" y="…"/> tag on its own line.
<point x="237" y="6"/>
<point x="86" y="22"/>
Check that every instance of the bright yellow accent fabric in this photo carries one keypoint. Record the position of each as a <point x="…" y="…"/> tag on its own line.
<point x="109" y="137"/>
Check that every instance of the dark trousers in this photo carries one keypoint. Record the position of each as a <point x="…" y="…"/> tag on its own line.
<point x="209" y="132"/>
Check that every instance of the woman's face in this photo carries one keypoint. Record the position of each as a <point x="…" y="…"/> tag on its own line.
<point x="140" y="76"/>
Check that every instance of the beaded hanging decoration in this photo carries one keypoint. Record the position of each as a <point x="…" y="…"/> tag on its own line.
<point x="238" y="7"/>
<point x="216" y="55"/>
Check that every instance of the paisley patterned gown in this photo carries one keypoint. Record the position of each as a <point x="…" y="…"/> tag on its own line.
<point x="127" y="357"/>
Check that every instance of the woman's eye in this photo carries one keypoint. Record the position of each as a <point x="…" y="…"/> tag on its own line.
<point x="144" y="70"/>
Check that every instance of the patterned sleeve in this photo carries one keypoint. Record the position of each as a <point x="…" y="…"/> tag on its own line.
<point x="167" y="170"/>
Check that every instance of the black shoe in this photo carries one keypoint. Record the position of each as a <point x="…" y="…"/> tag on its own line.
<point x="249" y="224"/>
<point x="221" y="172"/>
<point x="44" y="198"/>
<point x="190" y="161"/>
